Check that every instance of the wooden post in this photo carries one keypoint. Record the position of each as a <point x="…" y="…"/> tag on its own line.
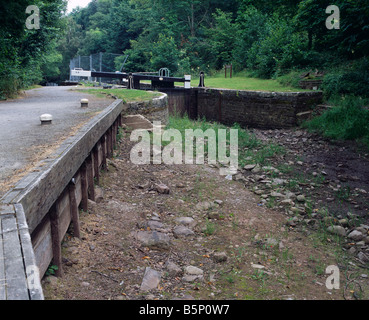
<point x="110" y="135"/>
<point x="56" y="239"/>
<point x="108" y="142"/>
<point x="95" y="152"/>
<point x="104" y="151"/>
<point x="230" y="67"/>
<point x="115" y="132"/>
<point x="90" y="178"/>
<point x="74" y="213"/>
<point x="84" y="187"/>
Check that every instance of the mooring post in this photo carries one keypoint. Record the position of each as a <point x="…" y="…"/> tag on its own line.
<point x="202" y="80"/>
<point x="74" y="213"/>
<point x="56" y="239"/>
<point x="130" y="81"/>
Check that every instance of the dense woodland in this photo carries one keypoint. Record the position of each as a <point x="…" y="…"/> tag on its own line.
<point x="268" y="39"/>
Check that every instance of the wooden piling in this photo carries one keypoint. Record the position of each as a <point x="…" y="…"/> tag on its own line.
<point x="74" y="212"/>
<point x="56" y="239"/>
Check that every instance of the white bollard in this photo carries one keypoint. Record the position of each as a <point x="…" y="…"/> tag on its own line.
<point x="46" y="119"/>
<point x="84" y="103"/>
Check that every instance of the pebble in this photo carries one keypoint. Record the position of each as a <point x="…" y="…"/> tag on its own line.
<point x="173" y="269"/>
<point x="249" y="166"/>
<point x="187" y="221"/>
<point x="220" y="257"/>
<point x="356" y="235"/>
<point x="182" y="231"/>
<point x="338" y="230"/>
<point x="205" y="205"/>
<point x="193" y="270"/>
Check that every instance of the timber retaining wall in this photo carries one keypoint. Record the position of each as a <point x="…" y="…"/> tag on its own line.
<point x="36" y="214"/>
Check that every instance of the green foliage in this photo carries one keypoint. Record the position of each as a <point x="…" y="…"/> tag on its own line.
<point x="267" y="38"/>
<point x="25" y="53"/>
<point x="349" y="120"/>
<point x="353" y="80"/>
<point x="165" y="54"/>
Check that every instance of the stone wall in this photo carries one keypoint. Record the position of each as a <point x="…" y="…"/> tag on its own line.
<point x="154" y="110"/>
<point x="248" y="108"/>
<point x="255" y="108"/>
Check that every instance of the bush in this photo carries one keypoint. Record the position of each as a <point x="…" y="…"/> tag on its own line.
<point x="281" y="50"/>
<point x="347" y="121"/>
<point x="290" y="79"/>
<point x="351" y="81"/>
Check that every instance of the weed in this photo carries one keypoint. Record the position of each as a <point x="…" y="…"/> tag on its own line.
<point x="209" y="228"/>
<point x="51" y="270"/>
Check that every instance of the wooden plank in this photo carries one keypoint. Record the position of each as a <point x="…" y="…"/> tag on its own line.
<point x="42" y="245"/>
<point x="2" y="266"/>
<point x="32" y="271"/>
<point x="64" y="213"/>
<point x="16" y="283"/>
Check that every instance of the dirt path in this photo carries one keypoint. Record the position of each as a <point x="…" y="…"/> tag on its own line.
<point x="208" y="238"/>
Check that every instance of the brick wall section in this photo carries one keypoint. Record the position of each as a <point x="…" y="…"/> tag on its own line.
<point x="269" y="110"/>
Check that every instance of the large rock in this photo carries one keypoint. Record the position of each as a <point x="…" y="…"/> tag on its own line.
<point x="356" y="235"/>
<point x="194" y="270"/>
<point x="186" y="221"/>
<point x="154" y="239"/>
<point x="150" y="280"/>
<point x="173" y="269"/>
<point x="338" y="230"/>
<point x="182" y="231"/>
<point x="193" y="273"/>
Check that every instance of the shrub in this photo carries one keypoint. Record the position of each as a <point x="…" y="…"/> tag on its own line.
<point x="351" y="81"/>
<point x="347" y="121"/>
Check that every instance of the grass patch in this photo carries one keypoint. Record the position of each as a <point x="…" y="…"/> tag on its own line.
<point x="242" y="81"/>
<point x="251" y="149"/>
<point x="347" y="120"/>
<point x="123" y="94"/>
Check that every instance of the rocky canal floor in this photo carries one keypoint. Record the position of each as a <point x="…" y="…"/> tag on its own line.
<point x="160" y="232"/>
